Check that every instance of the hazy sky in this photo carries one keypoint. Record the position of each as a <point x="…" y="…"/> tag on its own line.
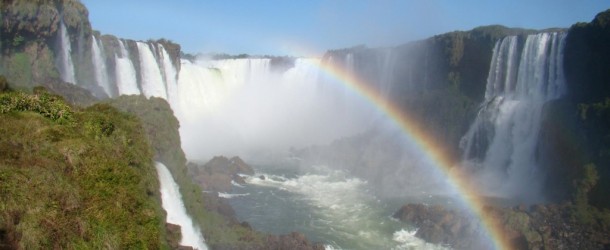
<point x="297" y="27"/>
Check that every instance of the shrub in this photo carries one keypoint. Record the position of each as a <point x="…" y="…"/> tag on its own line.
<point x="48" y="105"/>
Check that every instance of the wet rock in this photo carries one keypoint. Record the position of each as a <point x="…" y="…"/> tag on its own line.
<point x="221" y="206"/>
<point x="537" y="227"/>
<point x="437" y="225"/>
<point x="217" y="174"/>
<point x="173" y="235"/>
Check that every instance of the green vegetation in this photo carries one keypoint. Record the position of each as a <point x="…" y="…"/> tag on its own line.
<point x="18" y="40"/>
<point x="75" y="179"/>
<point x="43" y="103"/>
<point x="595" y="124"/>
<point x="581" y="196"/>
<point x="161" y="128"/>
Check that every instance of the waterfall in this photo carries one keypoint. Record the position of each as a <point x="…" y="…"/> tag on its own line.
<point x="501" y="143"/>
<point x="64" y="57"/>
<point x="242" y="106"/>
<point x="99" y="64"/>
<point x="176" y="212"/>
<point x="125" y="72"/>
<point x="170" y="76"/>
<point x="152" y="81"/>
<point x="238" y="101"/>
<point x="386" y="78"/>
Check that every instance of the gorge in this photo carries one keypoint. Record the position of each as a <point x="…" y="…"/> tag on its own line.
<point x="483" y="123"/>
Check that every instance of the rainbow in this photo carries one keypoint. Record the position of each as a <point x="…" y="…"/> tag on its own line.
<point x="415" y="133"/>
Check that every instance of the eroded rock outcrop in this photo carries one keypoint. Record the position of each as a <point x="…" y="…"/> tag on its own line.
<point x="217" y="174"/>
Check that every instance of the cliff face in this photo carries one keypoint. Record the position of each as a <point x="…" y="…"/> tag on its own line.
<point x="28" y="36"/>
<point x="33" y="51"/>
<point x="587" y="61"/>
<point x="577" y="131"/>
<point x="438" y="82"/>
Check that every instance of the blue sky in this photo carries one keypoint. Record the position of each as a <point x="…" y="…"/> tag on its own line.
<point x="299" y="27"/>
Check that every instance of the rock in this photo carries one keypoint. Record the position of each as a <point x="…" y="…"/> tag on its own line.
<point x="293" y="240"/>
<point x="241" y="166"/>
<point x="173" y="235"/>
<point x="262" y="177"/>
<point x="239" y="180"/>
<point x="217" y="182"/>
<point x="541" y="227"/>
<point x="217" y="174"/>
<point x="436" y="224"/>
<point x="220" y="206"/>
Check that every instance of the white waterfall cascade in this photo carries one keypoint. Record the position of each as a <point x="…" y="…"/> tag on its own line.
<point x="501" y="143"/>
<point x="176" y="212"/>
<point x="169" y="71"/>
<point x="127" y="83"/>
<point x="245" y="107"/>
<point x="99" y="63"/>
<point x="240" y="104"/>
<point x="64" y="58"/>
<point x="152" y="80"/>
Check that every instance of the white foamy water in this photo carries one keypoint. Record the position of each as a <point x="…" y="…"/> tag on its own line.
<point x="503" y="139"/>
<point x="170" y="74"/>
<point x="229" y="196"/>
<point x="101" y="73"/>
<point x="407" y="240"/>
<point x="176" y="213"/>
<point x="64" y="57"/>
<point x="152" y="82"/>
<point x="328" y="206"/>
<point x="127" y="83"/>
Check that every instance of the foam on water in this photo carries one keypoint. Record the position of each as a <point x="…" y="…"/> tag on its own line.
<point x="407" y="240"/>
<point x="236" y="184"/>
<point x="229" y="196"/>
<point x="342" y="210"/>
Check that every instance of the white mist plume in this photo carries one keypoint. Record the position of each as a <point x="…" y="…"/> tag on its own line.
<point x="245" y="107"/>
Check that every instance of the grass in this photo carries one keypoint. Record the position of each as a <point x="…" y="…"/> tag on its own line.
<point x="80" y="181"/>
<point x="161" y="128"/>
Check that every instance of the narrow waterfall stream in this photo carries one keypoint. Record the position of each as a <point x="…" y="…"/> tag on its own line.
<point x="176" y="213"/>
